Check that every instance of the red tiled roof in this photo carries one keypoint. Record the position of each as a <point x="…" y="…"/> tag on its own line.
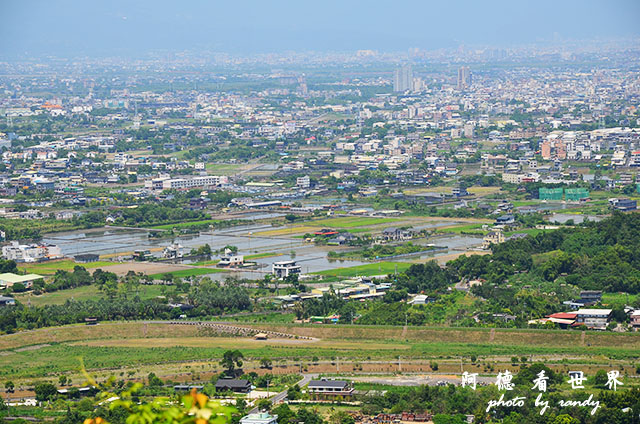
<point x="563" y="315"/>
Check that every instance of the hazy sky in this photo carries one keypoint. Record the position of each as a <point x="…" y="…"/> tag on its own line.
<point x="130" y="27"/>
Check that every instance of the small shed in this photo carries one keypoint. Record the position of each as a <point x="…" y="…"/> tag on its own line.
<point x="86" y="258"/>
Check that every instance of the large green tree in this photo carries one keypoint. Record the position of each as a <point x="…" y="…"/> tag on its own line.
<point x="232" y="362"/>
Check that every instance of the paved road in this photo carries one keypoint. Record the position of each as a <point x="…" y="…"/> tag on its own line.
<point x="306" y="378"/>
<point x="462" y="285"/>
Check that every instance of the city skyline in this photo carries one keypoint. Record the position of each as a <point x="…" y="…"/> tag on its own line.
<point x="73" y="28"/>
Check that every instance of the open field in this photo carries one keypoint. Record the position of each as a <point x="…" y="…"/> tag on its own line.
<point x="359" y="224"/>
<point x="353" y="221"/>
<point x="226" y="168"/>
<point x="50" y="267"/>
<point x="464" y="228"/>
<point x="189" y="272"/>
<point x="483" y="191"/>
<point x="443" y="259"/>
<point x="619" y="299"/>
<point x="476" y="190"/>
<point x="289" y="230"/>
<point x="189" y="224"/>
<point x="81" y="293"/>
<point x="241" y="343"/>
<point x="261" y="255"/>
<point x="378" y="268"/>
<point x="172" y="350"/>
<point x="149" y="268"/>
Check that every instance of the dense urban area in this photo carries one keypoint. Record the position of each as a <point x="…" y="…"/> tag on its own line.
<point x="322" y="238"/>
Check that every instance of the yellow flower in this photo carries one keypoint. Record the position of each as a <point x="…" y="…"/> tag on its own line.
<point x="199" y="398"/>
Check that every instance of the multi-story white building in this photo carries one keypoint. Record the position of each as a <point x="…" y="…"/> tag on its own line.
<point x="164" y="183"/>
<point x="303" y="182"/>
<point x="403" y="79"/>
<point x="31" y="252"/>
<point x="635" y="320"/>
<point x="283" y="269"/>
<point x="205" y="181"/>
<point x="596" y="319"/>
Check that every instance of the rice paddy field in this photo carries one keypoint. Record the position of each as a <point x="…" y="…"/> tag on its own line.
<point x="182" y="225"/>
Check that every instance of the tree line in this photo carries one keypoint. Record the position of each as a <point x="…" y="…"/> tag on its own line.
<point x="203" y="300"/>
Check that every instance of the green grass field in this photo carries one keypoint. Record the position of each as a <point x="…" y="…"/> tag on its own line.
<point x="619" y="299"/>
<point x="224" y="168"/>
<point x="81" y="293"/>
<point x="192" y="272"/>
<point x="378" y="268"/>
<point x="261" y="255"/>
<point x="50" y="267"/>
<point x="466" y="228"/>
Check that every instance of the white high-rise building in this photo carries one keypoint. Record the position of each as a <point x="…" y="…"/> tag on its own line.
<point x="403" y="79"/>
<point x="464" y="77"/>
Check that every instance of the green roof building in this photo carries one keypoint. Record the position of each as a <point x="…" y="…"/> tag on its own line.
<point x="550" y="194"/>
<point x="575" y="194"/>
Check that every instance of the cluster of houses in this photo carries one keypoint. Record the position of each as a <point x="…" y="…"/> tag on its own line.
<point x="31" y="252"/>
<point x="357" y="289"/>
<point x="592" y="319"/>
<point x="385" y="418"/>
<point x="583" y="316"/>
<point x="583" y="313"/>
<point x="337" y="238"/>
